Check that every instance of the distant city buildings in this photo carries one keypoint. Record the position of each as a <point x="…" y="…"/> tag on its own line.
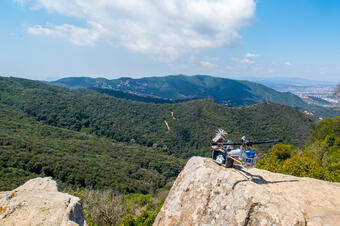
<point x="316" y="95"/>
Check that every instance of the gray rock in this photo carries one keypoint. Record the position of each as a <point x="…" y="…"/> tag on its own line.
<point x="207" y="194"/>
<point x="38" y="202"/>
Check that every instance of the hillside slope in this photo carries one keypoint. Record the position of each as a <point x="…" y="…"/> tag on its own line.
<point x="29" y="149"/>
<point x="191" y="124"/>
<point x="207" y="194"/>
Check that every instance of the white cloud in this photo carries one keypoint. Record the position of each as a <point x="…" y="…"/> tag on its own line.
<point x="208" y="64"/>
<point x="288" y="63"/>
<point x="162" y="28"/>
<point x="324" y="69"/>
<point x="243" y="61"/>
<point x="247" y="61"/>
<point x="251" y="55"/>
<point x="192" y="59"/>
<point x="76" y="35"/>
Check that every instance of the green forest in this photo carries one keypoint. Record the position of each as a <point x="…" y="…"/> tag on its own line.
<point x="30" y="149"/>
<point x="192" y="123"/>
<point x="125" y="151"/>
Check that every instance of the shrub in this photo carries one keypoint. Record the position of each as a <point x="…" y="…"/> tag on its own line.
<point x="319" y="159"/>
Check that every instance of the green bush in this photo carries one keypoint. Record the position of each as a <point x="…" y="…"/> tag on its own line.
<point x="320" y="158"/>
<point x="273" y="161"/>
<point x="305" y="166"/>
<point x="282" y="151"/>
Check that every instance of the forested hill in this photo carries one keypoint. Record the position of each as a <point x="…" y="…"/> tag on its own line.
<point x="178" y="87"/>
<point x="191" y="124"/>
<point x="29" y="149"/>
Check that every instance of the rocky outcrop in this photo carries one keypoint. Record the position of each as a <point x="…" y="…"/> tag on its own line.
<point x="38" y="202"/>
<point x="207" y="194"/>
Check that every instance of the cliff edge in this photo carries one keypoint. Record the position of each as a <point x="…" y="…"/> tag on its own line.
<point x="38" y="202"/>
<point x="207" y="194"/>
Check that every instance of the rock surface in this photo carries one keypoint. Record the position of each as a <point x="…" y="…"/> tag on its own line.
<point x="207" y="194"/>
<point x="38" y="202"/>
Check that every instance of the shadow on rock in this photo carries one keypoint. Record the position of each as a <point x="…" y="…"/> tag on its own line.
<point x="257" y="179"/>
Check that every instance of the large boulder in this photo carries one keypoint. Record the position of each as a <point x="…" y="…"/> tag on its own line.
<point x="207" y="194"/>
<point x="38" y="202"/>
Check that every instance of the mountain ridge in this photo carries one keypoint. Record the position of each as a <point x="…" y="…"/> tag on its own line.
<point x="224" y="91"/>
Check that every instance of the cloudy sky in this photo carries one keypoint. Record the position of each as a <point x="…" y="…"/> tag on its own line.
<point x="50" y="39"/>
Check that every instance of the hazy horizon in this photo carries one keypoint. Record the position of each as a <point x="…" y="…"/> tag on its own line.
<point x="253" y="79"/>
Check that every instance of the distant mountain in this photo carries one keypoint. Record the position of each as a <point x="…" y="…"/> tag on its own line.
<point x="178" y="87"/>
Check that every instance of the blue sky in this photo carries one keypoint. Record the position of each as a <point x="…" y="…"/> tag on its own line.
<point x="51" y="39"/>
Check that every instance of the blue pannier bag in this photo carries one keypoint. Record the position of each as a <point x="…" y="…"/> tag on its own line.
<point x="250" y="156"/>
